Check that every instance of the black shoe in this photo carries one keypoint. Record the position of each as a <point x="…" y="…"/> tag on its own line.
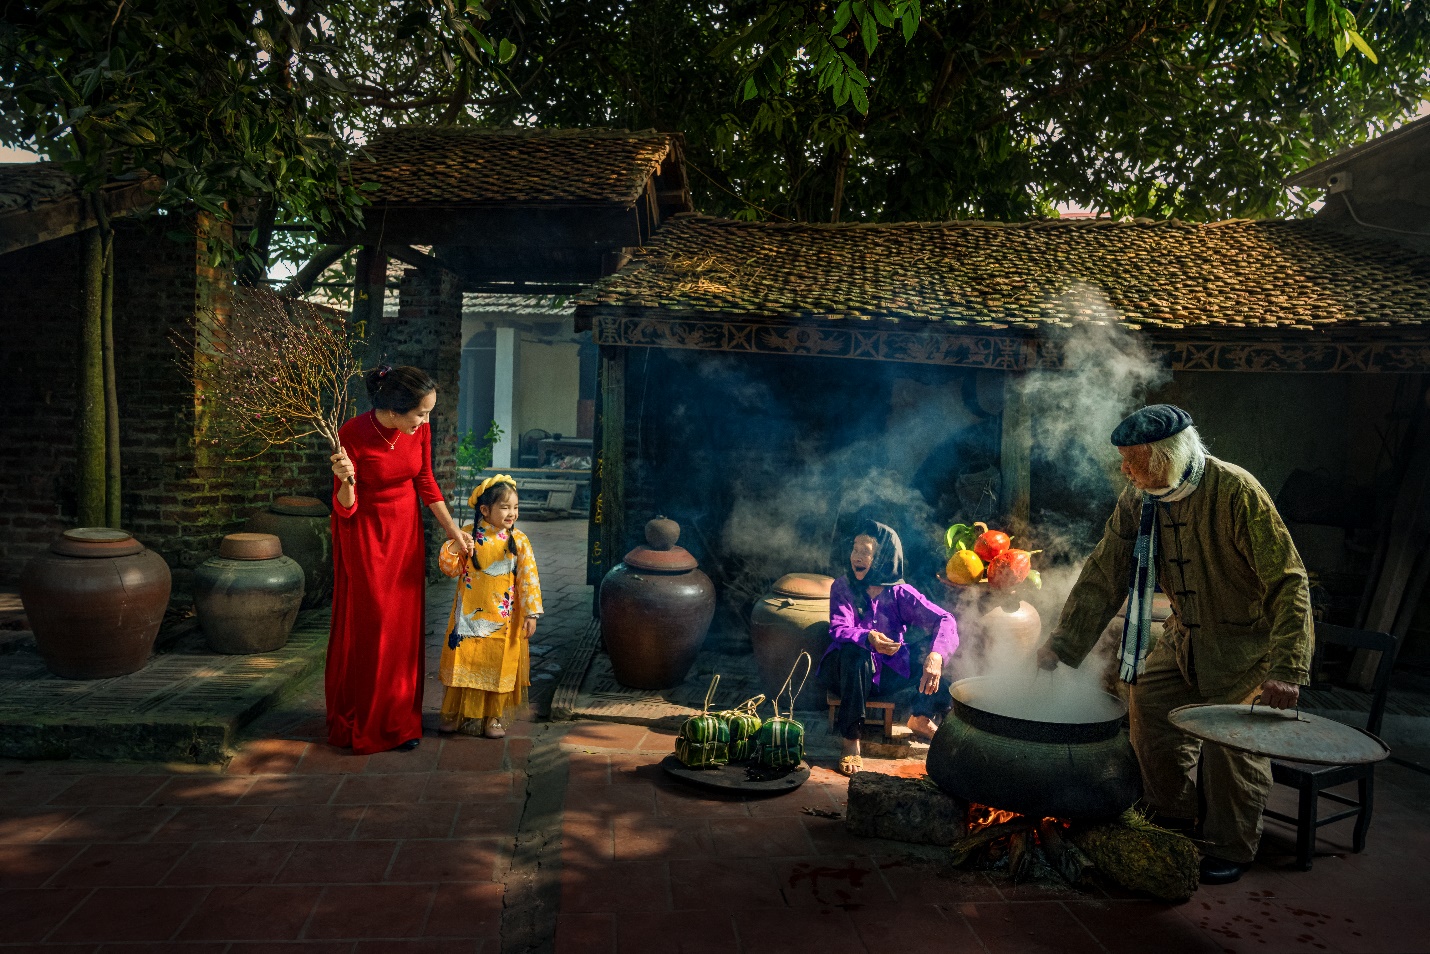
<point x="407" y="746"/>
<point x="1221" y="871"/>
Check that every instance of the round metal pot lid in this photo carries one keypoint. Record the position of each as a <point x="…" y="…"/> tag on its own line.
<point x="96" y="542"/>
<point x="803" y="586"/>
<point x="250" y="546"/>
<point x="1289" y="735"/>
<point x="299" y="506"/>
<point x="674" y="560"/>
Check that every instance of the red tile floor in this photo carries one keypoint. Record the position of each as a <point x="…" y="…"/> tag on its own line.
<point x="650" y="866"/>
<point x="296" y="847"/>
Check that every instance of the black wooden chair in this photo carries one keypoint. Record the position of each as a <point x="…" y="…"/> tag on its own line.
<point x="1311" y="780"/>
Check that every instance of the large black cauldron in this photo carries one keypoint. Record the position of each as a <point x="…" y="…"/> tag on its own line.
<point x="1073" y="760"/>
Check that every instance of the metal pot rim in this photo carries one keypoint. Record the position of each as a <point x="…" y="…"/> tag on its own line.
<point x="1032" y="730"/>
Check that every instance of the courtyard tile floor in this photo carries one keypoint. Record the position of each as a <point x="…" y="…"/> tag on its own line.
<point x="567" y="837"/>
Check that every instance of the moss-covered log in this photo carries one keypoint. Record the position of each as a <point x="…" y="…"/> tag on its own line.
<point x="1141" y="857"/>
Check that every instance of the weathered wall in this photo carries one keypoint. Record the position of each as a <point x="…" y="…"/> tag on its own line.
<point x="180" y="490"/>
<point x="548" y="380"/>
<point x="426" y="332"/>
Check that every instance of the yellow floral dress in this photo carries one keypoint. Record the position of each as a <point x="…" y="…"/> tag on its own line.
<point x="486" y="662"/>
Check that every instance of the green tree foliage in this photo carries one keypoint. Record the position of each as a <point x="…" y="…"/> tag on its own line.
<point x="995" y="109"/>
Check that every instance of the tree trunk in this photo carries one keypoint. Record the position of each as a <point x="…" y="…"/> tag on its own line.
<point x="111" y="387"/>
<point x="90" y="445"/>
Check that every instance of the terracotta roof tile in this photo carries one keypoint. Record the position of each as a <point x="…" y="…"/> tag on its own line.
<point x="422" y="165"/>
<point x="1270" y="275"/>
<point x="23" y="185"/>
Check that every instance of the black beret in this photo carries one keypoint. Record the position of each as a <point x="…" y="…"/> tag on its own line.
<point x="1153" y="423"/>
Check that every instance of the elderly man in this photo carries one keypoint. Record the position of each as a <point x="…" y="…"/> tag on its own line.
<point x="1207" y="533"/>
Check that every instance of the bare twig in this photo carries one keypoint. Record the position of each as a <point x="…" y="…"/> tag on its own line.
<point x="275" y="370"/>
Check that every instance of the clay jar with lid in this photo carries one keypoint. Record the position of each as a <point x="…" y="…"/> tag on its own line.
<point x="656" y="609"/>
<point x="791" y="618"/>
<point x="303" y="527"/>
<point x="247" y="598"/>
<point x="95" y="602"/>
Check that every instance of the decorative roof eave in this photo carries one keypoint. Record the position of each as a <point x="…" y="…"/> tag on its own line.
<point x="53" y="218"/>
<point x="967" y="346"/>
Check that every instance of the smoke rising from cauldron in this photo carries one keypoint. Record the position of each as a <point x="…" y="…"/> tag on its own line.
<point x="795" y="523"/>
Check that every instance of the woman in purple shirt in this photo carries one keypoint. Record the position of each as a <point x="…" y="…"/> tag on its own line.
<point x="870" y="610"/>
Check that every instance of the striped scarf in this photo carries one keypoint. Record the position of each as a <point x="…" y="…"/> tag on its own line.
<point x="1137" y="629"/>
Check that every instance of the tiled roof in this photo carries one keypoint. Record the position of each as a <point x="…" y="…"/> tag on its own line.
<point x="1257" y="275"/>
<point x="423" y="165"/>
<point x="23" y="185"/>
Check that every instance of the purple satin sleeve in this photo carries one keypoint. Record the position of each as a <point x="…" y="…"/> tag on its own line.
<point x="918" y="610"/>
<point x="844" y="624"/>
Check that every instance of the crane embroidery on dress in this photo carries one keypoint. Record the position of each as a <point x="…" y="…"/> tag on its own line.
<point x="501" y="567"/>
<point x="471" y="625"/>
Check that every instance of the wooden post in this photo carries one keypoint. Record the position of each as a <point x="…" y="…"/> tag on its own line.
<point x="1015" y="456"/>
<point x="607" y="536"/>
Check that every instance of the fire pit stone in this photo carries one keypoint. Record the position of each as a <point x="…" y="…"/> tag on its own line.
<point x="904" y="809"/>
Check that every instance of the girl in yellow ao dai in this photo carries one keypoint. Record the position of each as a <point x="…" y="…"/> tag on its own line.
<point x="486" y="657"/>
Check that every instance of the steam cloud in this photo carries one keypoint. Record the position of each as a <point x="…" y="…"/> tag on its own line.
<point x="1104" y="373"/>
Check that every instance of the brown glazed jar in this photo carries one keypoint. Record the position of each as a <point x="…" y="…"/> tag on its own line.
<point x="656" y="608"/>
<point x="95" y="602"/>
<point x="302" y="524"/>
<point x="247" y="597"/>
<point x="792" y="617"/>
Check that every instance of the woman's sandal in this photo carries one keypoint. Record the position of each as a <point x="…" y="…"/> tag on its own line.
<point x="447" y="728"/>
<point x="851" y="764"/>
<point x="494" y="729"/>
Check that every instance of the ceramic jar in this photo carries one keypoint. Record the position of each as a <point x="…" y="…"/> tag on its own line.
<point x="303" y="527"/>
<point x="95" y="602"/>
<point x="656" y="608"/>
<point x="792" y="617"/>
<point x="247" y="598"/>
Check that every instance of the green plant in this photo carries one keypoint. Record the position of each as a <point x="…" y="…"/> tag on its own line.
<point x="474" y="455"/>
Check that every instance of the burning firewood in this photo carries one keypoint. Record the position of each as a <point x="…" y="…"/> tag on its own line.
<point x="1065" y="858"/>
<point x="974" y="845"/>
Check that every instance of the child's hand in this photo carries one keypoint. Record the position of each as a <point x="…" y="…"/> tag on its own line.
<point x="528" y="628"/>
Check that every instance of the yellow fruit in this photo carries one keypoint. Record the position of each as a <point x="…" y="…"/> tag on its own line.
<point x="964" y="568"/>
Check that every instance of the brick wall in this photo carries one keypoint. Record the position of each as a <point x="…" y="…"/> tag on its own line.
<point x="181" y="492"/>
<point x="426" y="333"/>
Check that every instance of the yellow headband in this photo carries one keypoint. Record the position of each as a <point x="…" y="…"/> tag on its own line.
<point x="486" y="485"/>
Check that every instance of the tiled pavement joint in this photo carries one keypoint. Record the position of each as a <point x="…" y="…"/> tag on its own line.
<point x="532" y="897"/>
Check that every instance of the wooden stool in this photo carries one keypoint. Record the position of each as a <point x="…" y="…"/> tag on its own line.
<point x="888" y="721"/>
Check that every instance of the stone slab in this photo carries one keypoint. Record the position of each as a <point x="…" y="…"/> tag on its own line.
<point x="186" y="705"/>
<point x="904" y="809"/>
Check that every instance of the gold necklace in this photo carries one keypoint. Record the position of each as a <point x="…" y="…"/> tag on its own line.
<point x="391" y="444"/>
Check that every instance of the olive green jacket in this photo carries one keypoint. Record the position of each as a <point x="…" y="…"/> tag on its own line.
<point x="1241" y="603"/>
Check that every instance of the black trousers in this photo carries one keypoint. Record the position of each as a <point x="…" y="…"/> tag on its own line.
<point x="848" y="672"/>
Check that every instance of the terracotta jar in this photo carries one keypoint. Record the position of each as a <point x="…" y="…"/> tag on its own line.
<point x="302" y="524"/>
<point x="95" y="602"/>
<point x="247" y="598"/>
<point x="656" y="608"/>
<point x="791" y="618"/>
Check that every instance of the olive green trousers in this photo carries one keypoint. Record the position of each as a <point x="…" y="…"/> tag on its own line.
<point x="1236" y="784"/>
